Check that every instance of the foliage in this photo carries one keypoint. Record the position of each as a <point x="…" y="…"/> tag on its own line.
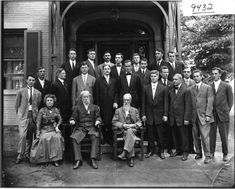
<point x="207" y="41"/>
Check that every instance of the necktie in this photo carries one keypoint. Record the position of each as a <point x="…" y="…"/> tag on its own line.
<point x="187" y="83"/>
<point x="173" y="66"/>
<point x="31" y="96"/>
<point x="154" y="89"/>
<point x="197" y="88"/>
<point x="143" y="71"/>
<point x="164" y="82"/>
<point x="176" y="89"/>
<point x="84" y="79"/>
<point x="107" y="79"/>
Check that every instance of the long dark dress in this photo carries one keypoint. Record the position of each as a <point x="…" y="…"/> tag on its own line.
<point x="50" y="145"/>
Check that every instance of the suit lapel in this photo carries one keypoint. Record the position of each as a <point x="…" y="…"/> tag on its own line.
<point x="219" y="87"/>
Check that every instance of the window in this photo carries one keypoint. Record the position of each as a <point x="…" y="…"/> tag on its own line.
<point x="13" y="58"/>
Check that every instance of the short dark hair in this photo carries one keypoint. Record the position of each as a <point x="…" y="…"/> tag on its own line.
<point x="144" y="59"/>
<point x="163" y="68"/>
<point x="171" y="52"/>
<point x="84" y="63"/>
<point x="107" y="52"/>
<point x="159" y="50"/>
<point x="198" y="71"/>
<point x="135" y="54"/>
<point x="89" y="50"/>
<point x="72" y="49"/>
<point x="58" y="71"/>
<point x="40" y="68"/>
<point x="119" y="54"/>
<point x="30" y="75"/>
<point x="187" y="67"/>
<point x="127" y="61"/>
<point x="49" y="96"/>
<point x="217" y="68"/>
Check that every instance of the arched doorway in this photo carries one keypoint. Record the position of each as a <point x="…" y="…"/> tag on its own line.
<point x="122" y="35"/>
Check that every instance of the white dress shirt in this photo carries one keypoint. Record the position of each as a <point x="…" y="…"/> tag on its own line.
<point x="154" y="87"/>
<point x="30" y="106"/>
<point x="92" y="63"/>
<point x="84" y="78"/>
<point x="136" y="67"/>
<point x="61" y="80"/>
<point x="128" y="77"/>
<point x="165" y="81"/>
<point x="42" y="82"/>
<point x="107" y="78"/>
<point x="143" y="70"/>
<point x="172" y="64"/>
<point x="216" y="83"/>
<point x="119" y="69"/>
<point x="72" y="64"/>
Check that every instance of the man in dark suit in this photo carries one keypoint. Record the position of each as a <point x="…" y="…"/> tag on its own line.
<point x="159" y="60"/>
<point x="168" y="140"/>
<point x="135" y="62"/>
<point x="129" y="83"/>
<point x="60" y="90"/>
<point x="188" y="82"/>
<point x="179" y="116"/>
<point x="107" y="59"/>
<point x="86" y="116"/>
<point x="118" y="69"/>
<point x="144" y="72"/>
<point x="71" y="68"/>
<point x="81" y="83"/>
<point x="42" y="84"/>
<point x="26" y="106"/>
<point x="154" y="112"/>
<point x="174" y="66"/>
<point x="223" y="102"/>
<point x="106" y="98"/>
<point x="202" y="115"/>
<point x="93" y="68"/>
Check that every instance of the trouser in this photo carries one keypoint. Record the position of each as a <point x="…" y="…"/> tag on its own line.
<point x="94" y="148"/>
<point x="201" y="134"/>
<point x="156" y="133"/>
<point x="107" y="133"/>
<point x="223" y="131"/>
<point x="129" y="142"/>
<point x="168" y="140"/>
<point x="180" y="138"/>
<point x="190" y="138"/>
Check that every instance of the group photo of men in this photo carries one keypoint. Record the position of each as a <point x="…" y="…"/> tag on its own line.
<point x="179" y="112"/>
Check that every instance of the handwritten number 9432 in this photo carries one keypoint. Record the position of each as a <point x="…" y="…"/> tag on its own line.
<point x="202" y="7"/>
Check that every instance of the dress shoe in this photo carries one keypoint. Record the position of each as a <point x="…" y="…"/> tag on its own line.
<point x="18" y="160"/>
<point x="185" y="157"/>
<point x="169" y="152"/>
<point x="56" y="164"/>
<point x="212" y="155"/>
<point x="149" y="154"/>
<point x="207" y="160"/>
<point x="225" y="157"/>
<point x="198" y="156"/>
<point x="131" y="163"/>
<point x="162" y="155"/>
<point x="93" y="164"/>
<point x="77" y="164"/>
<point x="121" y="157"/>
<point x="176" y="154"/>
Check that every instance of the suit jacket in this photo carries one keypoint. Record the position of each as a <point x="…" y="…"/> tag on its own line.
<point x="202" y="103"/>
<point x="223" y="100"/>
<point x="191" y="83"/>
<point x="79" y="86"/>
<point x="134" y="89"/>
<point x="70" y="74"/>
<point x="62" y="99"/>
<point x="156" y="66"/>
<point x="105" y="96"/>
<point x="100" y="68"/>
<point x="169" y="84"/>
<point x="22" y="105"/>
<point x="179" y="67"/>
<point x="120" y="118"/>
<point x="179" y="105"/>
<point x="114" y="73"/>
<point x="154" y="109"/>
<point x="85" y="121"/>
<point x="45" y="90"/>
<point x="93" y="72"/>
<point x="144" y="78"/>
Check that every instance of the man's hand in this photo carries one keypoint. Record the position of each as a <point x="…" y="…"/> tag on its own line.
<point x="115" y="105"/>
<point x="97" y="122"/>
<point x="144" y="118"/>
<point x="164" y="118"/>
<point x="57" y="130"/>
<point x="72" y="122"/>
<point x="186" y="122"/>
<point x="208" y="118"/>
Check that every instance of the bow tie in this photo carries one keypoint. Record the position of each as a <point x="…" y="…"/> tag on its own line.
<point x="128" y="73"/>
<point x="176" y="88"/>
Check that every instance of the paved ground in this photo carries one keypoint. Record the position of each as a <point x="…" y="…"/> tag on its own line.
<point x="152" y="172"/>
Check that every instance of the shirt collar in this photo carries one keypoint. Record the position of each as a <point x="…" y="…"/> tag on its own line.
<point x="91" y="61"/>
<point x="199" y="84"/>
<point x="61" y="80"/>
<point x="217" y="82"/>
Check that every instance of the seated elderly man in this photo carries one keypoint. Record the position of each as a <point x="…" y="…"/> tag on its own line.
<point x="86" y="116"/>
<point x="127" y="120"/>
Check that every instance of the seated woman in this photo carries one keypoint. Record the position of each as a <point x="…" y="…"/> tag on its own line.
<point x="49" y="143"/>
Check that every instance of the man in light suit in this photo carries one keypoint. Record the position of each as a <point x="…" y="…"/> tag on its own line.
<point x="71" y="68"/>
<point x="27" y="102"/>
<point x="188" y="82"/>
<point x="179" y="116"/>
<point x="42" y="84"/>
<point x="127" y="120"/>
<point x="174" y="66"/>
<point x="118" y="69"/>
<point x="82" y="82"/>
<point x="202" y="115"/>
<point x="86" y="116"/>
<point x="107" y="58"/>
<point x="154" y="111"/>
<point x="93" y="68"/>
<point x="223" y="102"/>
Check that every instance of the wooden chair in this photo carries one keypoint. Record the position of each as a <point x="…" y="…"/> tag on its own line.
<point x="119" y="142"/>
